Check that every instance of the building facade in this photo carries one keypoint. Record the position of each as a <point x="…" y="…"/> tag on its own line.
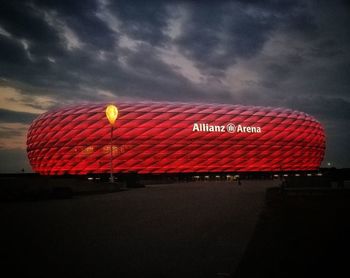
<point x="162" y="137"/>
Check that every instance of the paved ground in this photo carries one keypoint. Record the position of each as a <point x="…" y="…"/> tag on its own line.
<point x="300" y="234"/>
<point x="179" y="230"/>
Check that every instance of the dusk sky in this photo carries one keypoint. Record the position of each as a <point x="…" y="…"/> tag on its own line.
<point x="293" y="54"/>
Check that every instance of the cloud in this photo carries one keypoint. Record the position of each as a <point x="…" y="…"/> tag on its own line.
<point x="8" y="116"/>
<point x="142" y="20"/>
<point x="12" y="51"/>
<point x="16" y="160"/>
<point x="217" y="35"/>
<point x="13" y="135"/>
<point x="82" y="19"/>
<point x="293" y="54"/>
<point x="28" y="24"/>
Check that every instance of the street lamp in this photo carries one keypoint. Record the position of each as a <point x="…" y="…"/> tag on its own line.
<point x="112" y="115"/>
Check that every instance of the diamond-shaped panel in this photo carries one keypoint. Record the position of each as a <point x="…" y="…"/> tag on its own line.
<point x="156" y="137"/>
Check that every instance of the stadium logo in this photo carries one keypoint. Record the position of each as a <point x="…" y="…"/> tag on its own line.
<point x="230" y="128"/>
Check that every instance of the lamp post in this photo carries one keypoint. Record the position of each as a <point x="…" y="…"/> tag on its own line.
<point x="112" y="115"/>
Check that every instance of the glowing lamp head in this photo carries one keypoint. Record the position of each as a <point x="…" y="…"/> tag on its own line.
<point x="111" y="113"/>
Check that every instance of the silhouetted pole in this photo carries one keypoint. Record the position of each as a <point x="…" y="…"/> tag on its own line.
<point x="111" y="148"/>
<point x="112" y="115"/>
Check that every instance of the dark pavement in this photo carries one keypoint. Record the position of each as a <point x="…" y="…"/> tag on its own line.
<point x="179" y="230"/>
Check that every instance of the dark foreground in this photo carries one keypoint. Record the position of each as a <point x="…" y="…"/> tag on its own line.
<point x="179" y="230"/>
<point x="300" y="234"/>
<point x="204" y="229"/>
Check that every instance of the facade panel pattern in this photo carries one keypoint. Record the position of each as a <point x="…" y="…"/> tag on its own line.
<point x="160" y="137"/>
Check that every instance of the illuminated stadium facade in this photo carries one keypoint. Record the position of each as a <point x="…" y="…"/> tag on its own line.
<point x="162" y="137"/>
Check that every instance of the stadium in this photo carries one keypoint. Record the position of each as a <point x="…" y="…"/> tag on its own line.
<point x="163" y="137"/>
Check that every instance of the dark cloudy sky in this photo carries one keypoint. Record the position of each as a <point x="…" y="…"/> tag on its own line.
<point x="293" y="54"/>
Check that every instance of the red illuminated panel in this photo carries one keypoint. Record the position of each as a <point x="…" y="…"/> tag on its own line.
<point x="154" y="137"/>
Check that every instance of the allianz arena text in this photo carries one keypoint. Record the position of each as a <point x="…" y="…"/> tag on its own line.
<point x="163" y="137"/>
